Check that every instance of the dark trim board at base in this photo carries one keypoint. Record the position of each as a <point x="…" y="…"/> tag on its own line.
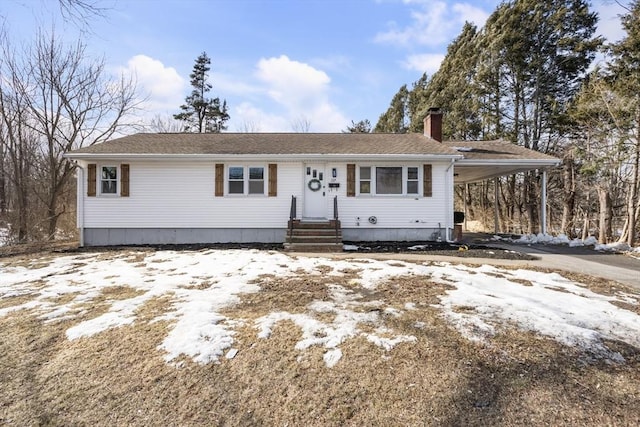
<point x="178" y="236"/>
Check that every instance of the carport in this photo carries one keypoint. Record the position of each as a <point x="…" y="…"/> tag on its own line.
<point x="485" y="160"/>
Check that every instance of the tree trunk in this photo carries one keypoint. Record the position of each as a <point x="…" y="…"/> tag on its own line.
<point x="530" y="203"/>
<point x="469" y="202"/>
<point x="632" y="198"/>
<point x="585" y="226"/>
<point x="605" y="211"/>
<point x="52" y="218"/>
<point x="569" y="199"/>
<point x="23" y="211"/>
<point x="3" y="185"/>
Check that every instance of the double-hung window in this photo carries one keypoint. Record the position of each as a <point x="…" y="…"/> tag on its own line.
<point x="389" y="180"/>
<point x="244" y="180"/>
<point x="109" y="180"/>
<point x="256" y="180"/>
<point x="365" y="179"/>
<point x="412" y="180"/>
<point x="236" y="180"/>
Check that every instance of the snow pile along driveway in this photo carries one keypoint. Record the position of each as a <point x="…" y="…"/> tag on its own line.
<point x="202" y="283"/>
<point x="562" y="239"/>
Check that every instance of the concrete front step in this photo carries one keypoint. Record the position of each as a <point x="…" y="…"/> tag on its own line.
<point x="329" y="224"/>
<point x="315" y="239"/>
<point x="314" y="232"/>
<point x="314" y="236"/>
<point x="313" y="247"/>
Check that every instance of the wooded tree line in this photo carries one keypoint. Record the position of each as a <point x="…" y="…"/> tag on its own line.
<point x="527" y="77"/>
<point x="52" y="99"/>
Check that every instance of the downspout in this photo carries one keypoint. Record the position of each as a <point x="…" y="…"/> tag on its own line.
<point x="449" y="201"/>
<point x="80" y="201"/>
<point x="543" y="215"/>
<point x="496" y="206"/>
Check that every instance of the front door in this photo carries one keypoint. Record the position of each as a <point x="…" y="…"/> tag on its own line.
<point x="314" y="191"/>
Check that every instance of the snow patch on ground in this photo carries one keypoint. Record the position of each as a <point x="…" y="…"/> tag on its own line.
<point x="562" y="239"/>
<point x="552" y="306"/>
<point x="349" y="315"/>
<point x="200" y="284"/>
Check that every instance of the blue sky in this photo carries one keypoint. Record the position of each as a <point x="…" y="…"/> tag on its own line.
<point x="276" y="62"/>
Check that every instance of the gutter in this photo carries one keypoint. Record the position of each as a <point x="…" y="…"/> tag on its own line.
<point x="261" y="157"/>
<point x="516" y="162"/>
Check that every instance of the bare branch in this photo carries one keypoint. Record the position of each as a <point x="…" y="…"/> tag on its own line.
<point x="301" y="124"/>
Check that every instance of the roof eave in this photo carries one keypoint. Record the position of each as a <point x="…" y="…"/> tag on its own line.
<point x="274" y="156"/>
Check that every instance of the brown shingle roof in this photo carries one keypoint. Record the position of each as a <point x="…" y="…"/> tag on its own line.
<point x="270" y="144"/>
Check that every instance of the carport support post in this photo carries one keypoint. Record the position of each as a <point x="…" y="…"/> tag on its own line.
<point x="466" y="208"/>
<point x="543" y="212"/>
<point x="496" y="210"/>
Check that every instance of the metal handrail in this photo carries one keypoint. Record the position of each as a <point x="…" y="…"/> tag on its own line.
<point x="335" y="217"/>
<point x="292" y="215"/>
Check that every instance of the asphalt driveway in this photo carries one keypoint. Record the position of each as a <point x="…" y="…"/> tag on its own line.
<point x="622" y="268"/>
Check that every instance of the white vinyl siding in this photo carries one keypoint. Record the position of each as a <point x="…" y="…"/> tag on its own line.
<point x="186" y="200"/>
<point x="393" y="211"/>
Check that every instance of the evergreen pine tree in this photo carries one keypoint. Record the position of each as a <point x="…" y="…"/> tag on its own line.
<point x="363" y="126"/>
<point x="395" y="119"/>
<point x="200" y="114"/>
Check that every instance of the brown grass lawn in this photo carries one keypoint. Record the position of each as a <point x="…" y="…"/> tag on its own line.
<point x="119" y="377"/>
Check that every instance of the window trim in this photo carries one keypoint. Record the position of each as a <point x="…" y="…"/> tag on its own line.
<point x="416" y="180"/>
<point x="229" y="180"/>
<point x="99" y="180"/>
<point x="246" y="180"/>
<point x="360" y="180"/>
<point x="373" y="180"/>
<point x="250" y="180"/>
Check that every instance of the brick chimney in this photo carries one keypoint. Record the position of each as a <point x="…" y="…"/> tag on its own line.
<point x="433" y="124"/>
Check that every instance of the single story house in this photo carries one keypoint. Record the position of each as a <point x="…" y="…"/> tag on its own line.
<point x="174" y="188"/>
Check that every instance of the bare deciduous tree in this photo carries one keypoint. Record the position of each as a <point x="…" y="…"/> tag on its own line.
<point x="165" y="124"/>
<point x="301" y="124"/>
<point x="248" y="126"/>
<point x="58" y="99"/>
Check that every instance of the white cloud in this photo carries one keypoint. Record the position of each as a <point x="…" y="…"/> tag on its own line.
<point x="426" y="62"/>
<point x="163" y="85"/>
<point x="280" y="91"/>
<point x="298" y="89"/>
<point x="469" y="13"/>
<point x="290" y="82"/>
<point x="246" y="117"/>
<point x="433" y="23"/>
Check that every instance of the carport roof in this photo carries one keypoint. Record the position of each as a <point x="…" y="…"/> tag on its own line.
<point x="489" y="159"/>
